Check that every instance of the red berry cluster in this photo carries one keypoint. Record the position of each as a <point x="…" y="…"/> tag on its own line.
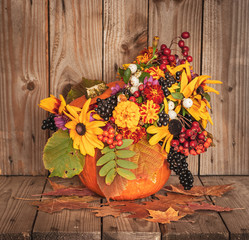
<point x="185" y="49"/>
<point x="166" y="57"/>
<point x="192" y="141"/>
<point x="110" y="138"/>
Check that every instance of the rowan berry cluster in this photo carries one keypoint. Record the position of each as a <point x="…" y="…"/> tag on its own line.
<point x="111" y="138"/>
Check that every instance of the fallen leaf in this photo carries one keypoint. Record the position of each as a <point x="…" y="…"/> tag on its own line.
<point x="58" y="204"/>
<point x="56" y="186"/>
<point x="106" y="211"/>
<point x="216" y="190"/>
<point x="70" y="191"/>
<point x="137" y="210"/>
<point x="207" y="206"/>
<point x="164" y="217"/>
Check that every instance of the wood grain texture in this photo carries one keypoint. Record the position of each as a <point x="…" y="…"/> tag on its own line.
<point x="17" y="216"/>
<point x="237" y="220"/>
<point x="75" y="42"/>
<point x="125" y="33"/>
<point x="202" y="225"/>
<point x="67" y="224"/>
<point x="168" y="19"/>
<point x="123" y="228"/>
<point x="23" y="82"/>
<point x="225" y="57"/>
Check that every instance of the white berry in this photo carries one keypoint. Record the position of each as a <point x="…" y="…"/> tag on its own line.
<point x="172" y="114"/>
<point x="133" y="68"/>
<point x="134" y="81"/>
<point x="138" y="74"/>
<point x="187" y="102"/>
<point x="133" y="89"/>
<point x="171" y="105"/>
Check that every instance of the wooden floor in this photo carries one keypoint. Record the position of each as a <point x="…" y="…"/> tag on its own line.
<point x="19" y="220"/>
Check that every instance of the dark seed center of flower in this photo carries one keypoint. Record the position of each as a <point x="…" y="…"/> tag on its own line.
<point x="175" y="127"/>
<point x="80" y="129"/>
<point x="200" y="90"/>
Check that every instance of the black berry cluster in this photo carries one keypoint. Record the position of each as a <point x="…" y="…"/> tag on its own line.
<point x="106" y="107"/>
<point x="49" y="123"/>
<point x="166" y="83"/>
<point x="178" y="164"/>
<point x="163" y="119"/>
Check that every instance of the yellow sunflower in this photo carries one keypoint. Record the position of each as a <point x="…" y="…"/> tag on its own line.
<point x="161" y="133"/>
<point x="53" y="104"/>
<point x="82" y="131"/>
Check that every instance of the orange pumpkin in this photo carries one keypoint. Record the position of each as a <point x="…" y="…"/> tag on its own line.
<point x="135" y="189"/>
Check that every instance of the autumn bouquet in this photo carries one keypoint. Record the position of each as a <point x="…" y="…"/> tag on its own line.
<point x="124" y="138"/>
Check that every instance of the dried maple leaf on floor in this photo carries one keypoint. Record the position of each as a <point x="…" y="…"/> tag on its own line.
<point x="62" y="190"/>
<point x="137" y="210"/>
<point x="164" y="217"/>
<point x="58" y="204"/>
<point x="106" y="211"/>
<point x="70" y="191"/>
<point x="207" y="206"/>
<point x="216" y="190"/>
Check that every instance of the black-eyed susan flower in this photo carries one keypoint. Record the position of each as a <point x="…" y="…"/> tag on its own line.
<point x="53" y="104"/>
<point x="82" y="131"/>
<point x="164" y="133"/>
<point x="191" y="91"/>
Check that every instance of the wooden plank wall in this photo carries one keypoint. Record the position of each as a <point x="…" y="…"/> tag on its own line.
<point x="46" y="46"/>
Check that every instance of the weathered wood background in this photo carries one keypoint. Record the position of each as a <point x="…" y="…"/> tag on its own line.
<point x="45" y="46"/>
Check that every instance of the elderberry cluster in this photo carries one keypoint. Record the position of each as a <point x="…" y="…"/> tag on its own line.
<point x="106" y="107"/>
<point x="163" y="119"/>
<point x="49" y="123"/>
<point x="166" y="83"/>
<point x="179" y="165"/>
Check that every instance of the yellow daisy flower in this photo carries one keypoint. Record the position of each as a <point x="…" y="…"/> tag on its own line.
<point x="82" y="131"/>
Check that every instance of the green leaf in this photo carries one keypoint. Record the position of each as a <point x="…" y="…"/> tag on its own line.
<point x="126" y="174"/>
<point x="60" y="158"/>
<point x="110" y="176"/>
<point x="126" y="164"/>
<point x="125" y="153"/>
<point x="121" y="72"/>
<point x="126" y="143"/>
<point x="127" y="75"/>
<point x="184" y="112"/>
<point x="140" y="99"/>
<point x="138" y="67"/>
<point x="106" y="150"/>
<point x="79" y="89"/>
<point x="143" y="76"/>
<point x="177" y="95"/>
<point x="207" y="96"/>
<point x="105" y="158"/>
<point x="106" y="168"/>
